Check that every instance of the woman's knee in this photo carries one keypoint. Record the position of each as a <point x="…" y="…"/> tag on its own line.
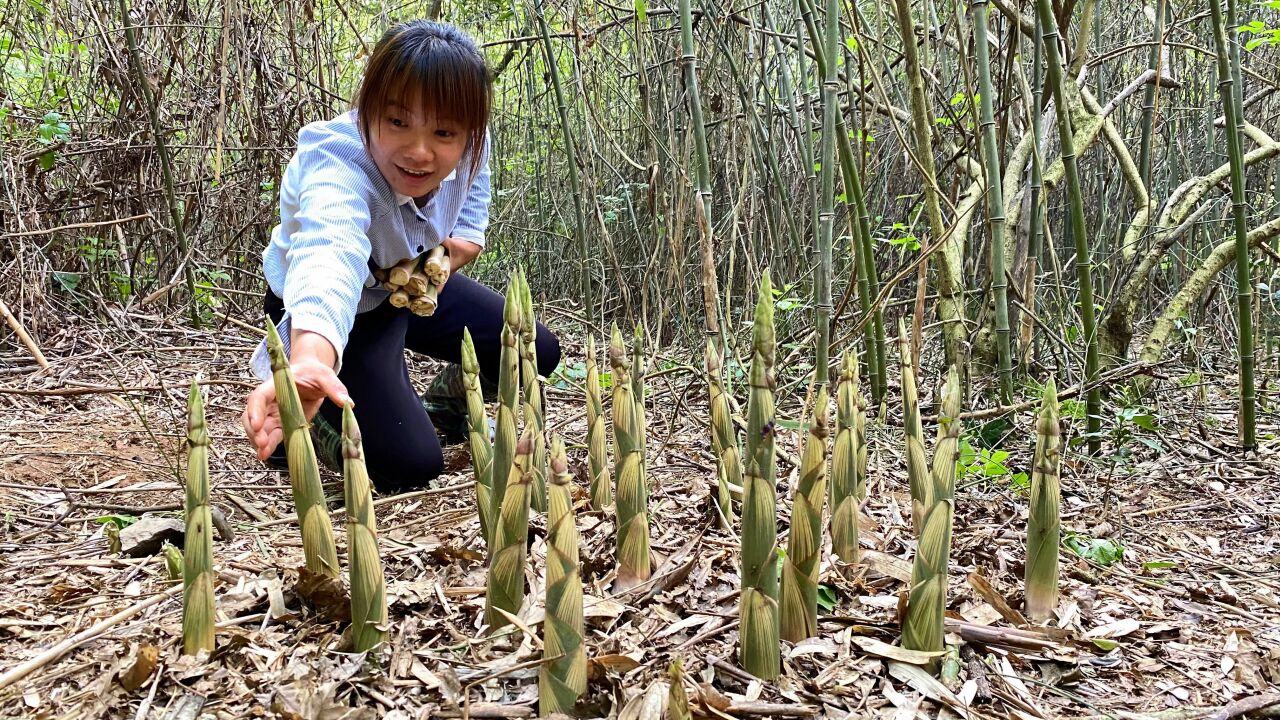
<point x="411" y="467"/>
<point x="548" y="351"/>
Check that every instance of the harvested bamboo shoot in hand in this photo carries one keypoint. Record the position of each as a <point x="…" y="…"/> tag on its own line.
<point x="399" y="275"/>
<point x="415" y="283"/>
<point x="436" y="266"/>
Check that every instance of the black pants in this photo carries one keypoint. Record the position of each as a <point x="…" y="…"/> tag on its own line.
<point x="400" y="444"/>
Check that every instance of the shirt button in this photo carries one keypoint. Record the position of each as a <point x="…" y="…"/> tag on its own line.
<point x="419" y="248"/>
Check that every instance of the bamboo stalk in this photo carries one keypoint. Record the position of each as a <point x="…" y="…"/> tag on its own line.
<point x="162" y="151"/>
<point x="197" y="561"/>
<point x="552" y="68"/>
<point x="860" y="225"/>
<point x="507" y="560"/>
<point x="948" y="259"/>
<point x="597" y="440"/>
<point x="1229" y="83"/>
<point x="826" y="210"/>
<point x="759" y="632"/>
<point x="922" y="628"/>
<point x="504" y="439"/>
<point x="478" y="426"/>
<point x="304" y="471"/>
<point x="1075" y="197"/>
<point x="995" y="199"/>
<point x="534" y="418"/>
<point x="563" y="678"/>
<point x="368" y="584"/>
<point x="632" y="495"/>
<point x="724" y="438"/>
<point x="702" y="167"/>
<point x="848" y="462"/>
<point x="1043" y="527"/>
<point x="1035" y="222"/>
<point x="799" y="601"/>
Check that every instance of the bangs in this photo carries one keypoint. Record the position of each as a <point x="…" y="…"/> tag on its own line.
<point x="432" y="69"/>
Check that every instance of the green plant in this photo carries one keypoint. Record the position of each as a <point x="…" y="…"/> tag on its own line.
<point x="51" y="133"/>
<point x="988" y="464"/>
<point x="1102" y="551"/>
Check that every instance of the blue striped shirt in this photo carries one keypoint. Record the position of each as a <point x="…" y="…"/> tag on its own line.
<point x="339" y="218"/>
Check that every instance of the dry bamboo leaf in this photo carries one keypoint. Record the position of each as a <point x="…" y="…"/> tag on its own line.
<point x="927" y="685"/>
<point x="1119" y="628"/>
<point x="893" y="652"/>
<point x="616" y="663"/>
<point x="888" y="565"/>
<point x="144" y="663"/>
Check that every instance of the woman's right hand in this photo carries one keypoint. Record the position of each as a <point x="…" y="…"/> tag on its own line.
<point x="316" y="382"/>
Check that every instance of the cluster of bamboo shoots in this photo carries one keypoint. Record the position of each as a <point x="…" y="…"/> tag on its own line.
<point x="512" y="474"/>
<point x="367" y="583"/>
<point x="415" y="283"/>
<point x="770" y="613"/>
<point x="368" y="587"/>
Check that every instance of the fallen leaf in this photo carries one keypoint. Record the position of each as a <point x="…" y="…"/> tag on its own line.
<point x="1119" y="628"/>
<point x="144" y="663"/>
<point x="616" y="663"/>
<point x="875" y="647"/>
<point x="326" y="594"/>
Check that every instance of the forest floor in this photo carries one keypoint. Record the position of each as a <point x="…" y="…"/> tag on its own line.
<point x="1185" y="623"/>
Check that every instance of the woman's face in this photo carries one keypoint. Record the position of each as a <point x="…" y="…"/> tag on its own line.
<point x="415" y="152"/>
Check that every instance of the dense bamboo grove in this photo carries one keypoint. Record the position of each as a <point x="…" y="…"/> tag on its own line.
<point x="693" y="151"/>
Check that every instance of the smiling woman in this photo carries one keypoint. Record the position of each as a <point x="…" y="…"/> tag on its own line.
<point x="405" y="171"/>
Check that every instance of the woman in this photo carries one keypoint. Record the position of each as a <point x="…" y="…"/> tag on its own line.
<point x="404" y="171"/>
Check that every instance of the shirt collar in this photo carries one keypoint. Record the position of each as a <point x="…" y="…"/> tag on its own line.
<point x="405" y="199"/>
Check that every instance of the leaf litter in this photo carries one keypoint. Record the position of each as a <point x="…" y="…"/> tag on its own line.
<point x="1170" y="604"/>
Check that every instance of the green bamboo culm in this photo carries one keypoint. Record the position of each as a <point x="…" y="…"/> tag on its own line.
<point x="478" y="431"/>
<point x="631" y="494"/>
<point x="917" y="464"/>
<point x="1149" y="95"/>
<point x="1075" y="197"/>
<point x="368" y="584"/>
<point x="197" y="561"/>
<point x="508" y="558"/>
<point x="563" y="679"/>
<point x="552" y="68"/>
<point x="534" y="418"/>
<point x="799" y="601"/>
<point x="760" y="651"/>
<point x="995" y="198"/>
<point x="860" y="221"/>
<point x="597" y="439"/>
<point x="1229" y="84"/>
<point x="318" y="548"/>
<point x="1043" y="525"/>
<point x="922" y="629"/>
<point x="677" y="697"/>
<point x="1036" y="225"/>
<point x="822" y="306"/>
<point x="504" y="438"/>
<point x="724" y="438"/>
<point x="702" y="172"/>
<point x="848" y="461"/>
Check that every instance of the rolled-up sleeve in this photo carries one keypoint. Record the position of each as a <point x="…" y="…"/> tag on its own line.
<point x="473" y="219"/>
<point x="328" y="250"/>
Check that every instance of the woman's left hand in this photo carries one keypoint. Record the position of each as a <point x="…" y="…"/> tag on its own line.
<point x="461" y="252"/>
